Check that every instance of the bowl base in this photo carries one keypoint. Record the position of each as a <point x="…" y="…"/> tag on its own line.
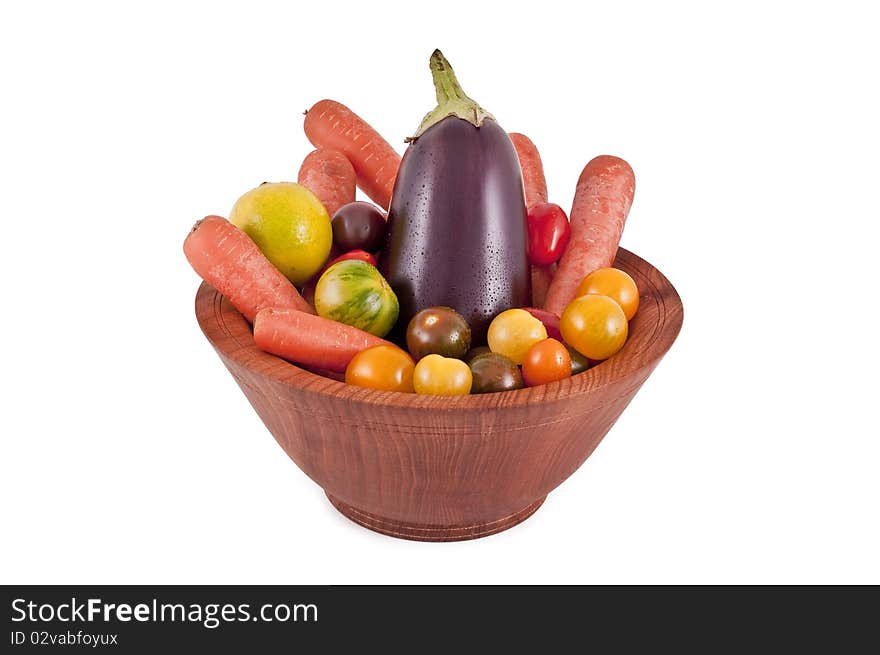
<point x="418" y="532"/>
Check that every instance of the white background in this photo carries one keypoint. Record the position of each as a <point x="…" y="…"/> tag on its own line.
<point x="129" y="455"/>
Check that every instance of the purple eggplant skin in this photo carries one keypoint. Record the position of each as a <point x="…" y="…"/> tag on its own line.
<point x="457" y="232"/>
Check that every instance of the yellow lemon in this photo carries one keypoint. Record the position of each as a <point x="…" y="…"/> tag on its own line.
<point x="289" y="224"/>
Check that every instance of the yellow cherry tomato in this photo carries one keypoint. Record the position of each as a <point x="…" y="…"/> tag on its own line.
<point x="594" y="325"/>
<point x="387" y="368"/>
<point x="513" y="332"/>
<point x="615" y="284"/>
<point x="442" y="376"/>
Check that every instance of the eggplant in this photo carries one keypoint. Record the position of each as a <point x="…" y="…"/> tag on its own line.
<point x="456" y="233"/>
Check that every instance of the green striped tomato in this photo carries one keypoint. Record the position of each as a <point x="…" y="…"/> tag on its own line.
<point x="355" y="293"/>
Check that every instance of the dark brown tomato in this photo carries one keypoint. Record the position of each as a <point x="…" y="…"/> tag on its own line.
<point x="493" y="372"/>
<point x="359" y="226"/>
<point x="579" y="363"/>
<point x="475" y="352"/>
<point x="438" y="331"/>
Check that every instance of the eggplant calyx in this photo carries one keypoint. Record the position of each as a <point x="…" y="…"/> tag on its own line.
<point x="451" y="99"/>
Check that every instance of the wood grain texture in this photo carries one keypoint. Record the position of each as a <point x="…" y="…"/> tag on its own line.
<point x="438" y="468"/>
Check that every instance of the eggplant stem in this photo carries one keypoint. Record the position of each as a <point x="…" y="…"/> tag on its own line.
<point x="445" y="82"/>
<point x="451" y="99"/>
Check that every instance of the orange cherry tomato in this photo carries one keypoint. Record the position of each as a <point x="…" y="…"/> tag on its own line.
<point x="442" y="376"/>
<point x="615" y="284"/>
<point x="546" y="361"/>
<point x="594" y="325"/>
<point x="387" y="368"/>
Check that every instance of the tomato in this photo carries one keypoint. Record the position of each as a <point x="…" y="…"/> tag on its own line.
<point x="492" y="372"/>
<point x="615" y="284"/>
<point x="513" y="332"/>
<point x="308" y="290"/>
<point x="549" y="232"/>
<point x="363" y="255"/>
<point x="475" y="352"/>
<point x="355" y="293"/>
<point x="546" y="361"/>
<point x="442" y="376"/>
<point x="549" y="319"/>
<point x="387" y="368"/>
<point x="358" y="225"/>
<point x="438" y="331"/>
<point x="594" y="325"/>
<point x="579" y="363"/>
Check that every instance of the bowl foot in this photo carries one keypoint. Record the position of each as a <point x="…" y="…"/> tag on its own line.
<point x="419" y="532"/>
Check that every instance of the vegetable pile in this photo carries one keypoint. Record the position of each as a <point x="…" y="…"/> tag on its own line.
<point x="471" y="283"/>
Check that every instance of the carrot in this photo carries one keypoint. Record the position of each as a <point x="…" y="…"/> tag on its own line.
<point x="602" y="200"/>
<point x="329" y="175"/>
<point x="310" y="340"/>
<point x="227" y="259"/>
<point x="535" y="185"/>
<point x="330" y="124"/>
<point x="532" y="169"/>
<point x="542" y="276"/>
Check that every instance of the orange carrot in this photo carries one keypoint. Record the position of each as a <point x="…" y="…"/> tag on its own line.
<point x="602" y="200"/>
<point x="535" y="185"/>
<point x="329" y="175"/>
<point x="310" y="340"/>
<point x="532" y="169"/>
<point x="330" y="124"/>
<point x="227" y="259"/>
<point x="542" y="276"/>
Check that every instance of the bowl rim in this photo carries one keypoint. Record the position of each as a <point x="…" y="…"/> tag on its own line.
<point x="650" y="337"/>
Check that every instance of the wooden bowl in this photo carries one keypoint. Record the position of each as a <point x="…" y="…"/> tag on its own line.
<point x="441" y="468"/>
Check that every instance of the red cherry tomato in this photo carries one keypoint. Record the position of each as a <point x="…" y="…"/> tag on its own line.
<point x="548" y="233"/>
<point x="549" y="319"/>
<point x="363" y="255"/>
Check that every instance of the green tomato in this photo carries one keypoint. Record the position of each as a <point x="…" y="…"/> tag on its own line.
<point x="355" y="293"/>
